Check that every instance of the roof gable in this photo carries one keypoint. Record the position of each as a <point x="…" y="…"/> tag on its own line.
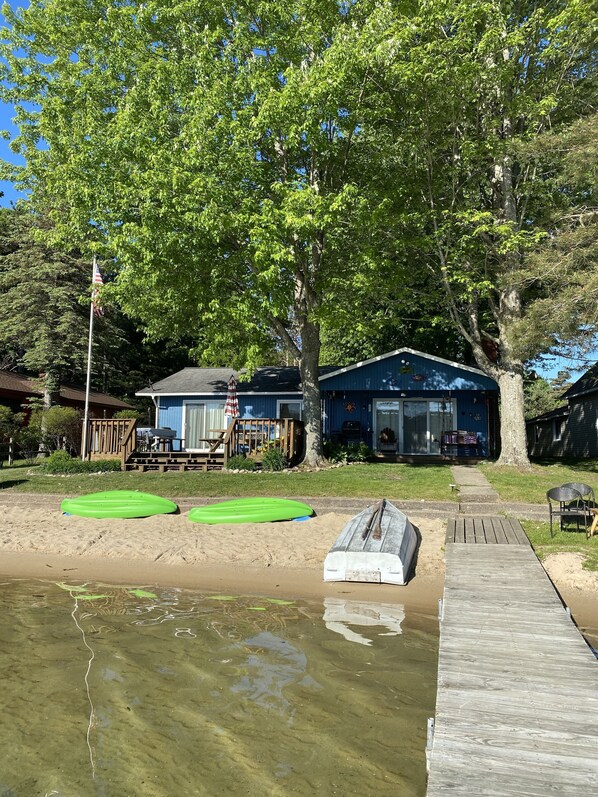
<point x="588" y="383"/>
<point x="407" y="369"/>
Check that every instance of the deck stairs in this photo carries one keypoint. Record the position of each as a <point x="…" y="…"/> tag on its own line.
<point x="162" y="461"/>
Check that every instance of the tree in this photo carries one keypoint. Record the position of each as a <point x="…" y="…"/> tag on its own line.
<point x="469" y="86"/>
<point x="562" y="273"/>
<point x="544" y="395"/>
<point x="43" y="325"/>
<point x="208" y="148"/>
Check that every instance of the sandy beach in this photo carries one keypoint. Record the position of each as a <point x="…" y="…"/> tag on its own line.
<point x="277" y="559"/>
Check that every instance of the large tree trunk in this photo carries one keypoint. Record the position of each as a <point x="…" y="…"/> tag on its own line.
<point x="513" y="450"/>
<point x="312" y="406"/>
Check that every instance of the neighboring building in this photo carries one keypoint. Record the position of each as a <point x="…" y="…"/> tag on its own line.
<point x="572" y="430"/>
<point x="402" y="402"/>
<point x="16" y="389"/>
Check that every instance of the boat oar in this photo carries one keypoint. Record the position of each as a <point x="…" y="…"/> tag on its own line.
<point x="371" y="520"/>
<point x="377" y="535"/>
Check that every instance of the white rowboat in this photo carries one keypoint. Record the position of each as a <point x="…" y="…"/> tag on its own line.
<point x="378" y="546"/>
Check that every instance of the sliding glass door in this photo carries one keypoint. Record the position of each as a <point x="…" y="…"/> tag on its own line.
<point x="201" y="420"/>
<point x="411" y="426"/>
<point x="415" y="427"/>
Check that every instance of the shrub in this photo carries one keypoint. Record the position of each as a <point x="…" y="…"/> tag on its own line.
<point x="62" y="462"/>
<point x="10" y="422"/>
<point x="336" y="452"/>
<point x="29" y="440"/>
<point x="131" y="414"/>
<point x="273" y="459"/>
<point x="240" y="462"/>
<point x="61" y="423"/>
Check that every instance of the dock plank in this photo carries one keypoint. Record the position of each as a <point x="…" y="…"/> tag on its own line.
<point x="517" y="703"/>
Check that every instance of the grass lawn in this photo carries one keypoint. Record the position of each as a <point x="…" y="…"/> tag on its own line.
<point x="529" y="487"/>
<point x="372" y="480"/>
<point x="570" y="541"/>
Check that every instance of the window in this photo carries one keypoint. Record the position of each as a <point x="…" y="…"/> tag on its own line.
<point x="557" y="429"/>
<point x="289" y="409"/>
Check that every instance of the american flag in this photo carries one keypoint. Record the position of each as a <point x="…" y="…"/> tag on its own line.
<point x="98" y="310"/>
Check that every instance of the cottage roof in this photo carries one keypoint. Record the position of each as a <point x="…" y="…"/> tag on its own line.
<point x="268" y="379"/>
<point x="11" y="383"/>
<point x="205" y="381"/>
<point x="588" y="383"/>
<point x="559" y="412"/>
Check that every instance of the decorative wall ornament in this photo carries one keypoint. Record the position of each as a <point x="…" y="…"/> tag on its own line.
<point x="349" y="406"/>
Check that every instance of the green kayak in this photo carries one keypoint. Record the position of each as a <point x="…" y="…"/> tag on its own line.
<point x="118" y="504"/>
<point x="250" y="510"/>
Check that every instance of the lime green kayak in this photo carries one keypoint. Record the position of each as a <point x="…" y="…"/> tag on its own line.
<point x="250" y="510"/>
<point x="118" y="504"/>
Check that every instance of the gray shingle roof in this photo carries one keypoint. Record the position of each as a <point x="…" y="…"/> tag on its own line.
<point x="202" y="381"/>
<point x="588" y="383"/>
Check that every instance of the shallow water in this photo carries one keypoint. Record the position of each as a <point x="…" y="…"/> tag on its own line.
<point x="172" y="693"/>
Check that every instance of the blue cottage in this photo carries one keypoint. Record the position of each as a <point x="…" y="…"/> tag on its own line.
<point x="403" y="403"/>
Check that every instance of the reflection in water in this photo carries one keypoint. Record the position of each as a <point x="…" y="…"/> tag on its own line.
<point x="339" y="614"/>
<point x="111" y="692"/>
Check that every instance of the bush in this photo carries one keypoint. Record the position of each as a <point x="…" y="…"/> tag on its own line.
<point x="61" y="423"/>
<point x="336" y="452"/>
<point x="240" y="462"/>
<point x="130" y="414"/>
<point x="62" y="462"/>
<point x="29" y="440"/>
<point x="10" y="422"/>
<point x="274" y="459"/>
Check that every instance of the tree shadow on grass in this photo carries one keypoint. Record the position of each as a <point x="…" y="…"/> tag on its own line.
<point x="14" y="483"/>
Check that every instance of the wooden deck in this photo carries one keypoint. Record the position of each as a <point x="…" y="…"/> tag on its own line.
<point x="517" y="703"/>
<point x="110" y="438"/>
<point x="486" y="531"/>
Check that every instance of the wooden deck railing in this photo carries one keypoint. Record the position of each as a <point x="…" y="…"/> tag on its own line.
<point x="116" y="438"/>
<point x="250" y="435"/>
<point x="110" y="438"/>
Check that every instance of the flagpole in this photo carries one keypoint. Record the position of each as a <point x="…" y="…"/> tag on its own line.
<point x="88" y="382"/>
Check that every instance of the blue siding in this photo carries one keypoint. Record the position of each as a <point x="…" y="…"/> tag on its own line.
<point x="349" y="396"/>
<point x="351" y="405"/>
<point x="254" y="406"/>
<point x="408" y="372"/>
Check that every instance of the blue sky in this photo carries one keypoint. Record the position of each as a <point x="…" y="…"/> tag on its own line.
<point x="6" y="114"/>
<point x="548" y="369"/>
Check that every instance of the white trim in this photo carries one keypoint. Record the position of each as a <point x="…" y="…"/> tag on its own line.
<point x="287" y="401"/>
<point x="405" y="351"/>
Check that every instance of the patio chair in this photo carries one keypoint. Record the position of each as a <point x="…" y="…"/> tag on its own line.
<point x="590" y="512"/>
<point x="586" y="492"/>
<point x="566" y="503"/>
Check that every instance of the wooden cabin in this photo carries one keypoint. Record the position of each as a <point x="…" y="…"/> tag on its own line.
<point x="403" y="405"/>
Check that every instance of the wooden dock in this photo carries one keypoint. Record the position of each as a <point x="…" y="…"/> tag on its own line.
<point x="517" y="703"/>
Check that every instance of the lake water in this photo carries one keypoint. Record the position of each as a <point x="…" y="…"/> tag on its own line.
<point x="173" y="693"/>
